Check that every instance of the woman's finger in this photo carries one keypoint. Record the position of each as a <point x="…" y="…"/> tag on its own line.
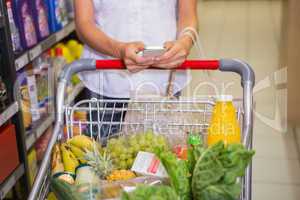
<point x="171" y="65"/>
<point x="169" y="54"/>
<point x="136" y="68"/>
<point x="178" y="56"/>
<point x="168" y="45"/>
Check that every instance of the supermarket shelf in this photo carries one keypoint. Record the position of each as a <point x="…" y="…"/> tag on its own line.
<point x="8" y="113"/>
<point x="45" y="123"/>
<point x="10" y="182"/>
<point x="38" y="131"/>
<point x="33" y="53"/>
<point x="75" y="92"/>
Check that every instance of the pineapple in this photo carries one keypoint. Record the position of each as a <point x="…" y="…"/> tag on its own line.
<point x="100" y="162"/>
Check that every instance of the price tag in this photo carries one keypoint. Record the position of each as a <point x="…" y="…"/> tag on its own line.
<point x="35" y="52"/>
<point x="60" y="35"/>
<point x="49" y="42"/>
<point x="21" y="61"/>
<point x="70" y="28"/>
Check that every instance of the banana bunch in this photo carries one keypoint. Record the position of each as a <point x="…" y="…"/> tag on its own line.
<point x="78" y="152"/>
<point x="67" y="156"/>
<point x="83" y="142"/>
<point x="57" y="165"/>
<point x="80" y="144"/>
<point x="69" y="159"/>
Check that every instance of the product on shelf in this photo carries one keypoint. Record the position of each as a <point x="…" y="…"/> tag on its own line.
<point x="25" y="22"/>
<point x="54" y="15"/>
<point x="64" y="13"/>
<point x="41" y="68"/>
<point x="8" y="151"/>
<point x="24" y="99"/>
<point x="70" y="8"/>
<point x="75" y="48"/>
<point x="34" y="104"/>
<point x="224" y="125"/>
<point x="15" y="35"/>
<point x="42" y="143"/>
<point x="39" y="10"/>
<point x="32" y="164"/>
<point x="58" y="63"/>
<point x="3" y="95"/>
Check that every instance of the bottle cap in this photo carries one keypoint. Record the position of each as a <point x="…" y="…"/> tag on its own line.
<point x="194" y="139"/>
<point x="58" y="51"/>
<point x="224" y="98"/>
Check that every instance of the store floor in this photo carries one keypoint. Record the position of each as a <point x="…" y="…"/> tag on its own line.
<point x="250" y="30"/>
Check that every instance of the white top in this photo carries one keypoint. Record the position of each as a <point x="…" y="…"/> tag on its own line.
<point x="225" y="98"/>
<point x="151" y="21"/>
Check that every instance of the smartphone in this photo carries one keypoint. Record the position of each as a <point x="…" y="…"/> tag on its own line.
<point x="152" y="51"/>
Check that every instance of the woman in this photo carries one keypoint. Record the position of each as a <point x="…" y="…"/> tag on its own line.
<point x="121" y="28"/>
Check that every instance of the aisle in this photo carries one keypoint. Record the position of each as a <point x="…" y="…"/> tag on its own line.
<point x="250" y="30"/>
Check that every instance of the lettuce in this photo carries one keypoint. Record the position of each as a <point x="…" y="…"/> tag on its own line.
<point x="217" y="170"/>
<point x="178" y="172"/>
<point x="143" y="192"/>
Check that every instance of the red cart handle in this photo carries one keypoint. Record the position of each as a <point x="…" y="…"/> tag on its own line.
<point x="189" y="64"/>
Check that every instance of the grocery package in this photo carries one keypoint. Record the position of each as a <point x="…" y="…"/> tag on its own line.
<point x="42" y="143"/>
<point x="63" y="54"/>
<point x="148" y="164"/>
<point x="64" y="12"/>
<point x="3" y="95"/>
<point x="15" y="35"/>
<point x="8" y="151"/>
<point x="24" y="99"/>
<point x="57" y="16"/>
<point x="58" y="63"/>
<point x="32" y="164"/>
<point x="41" y="67"/>
<point x="70" y="8"/>
<point x="33" y="95"/>
<point x="39" y="10"/>
<point x="75" y="48"/>
<point x="25" y="23"/>
<point x="54" y="15"/>
<point x="224" y="125"/>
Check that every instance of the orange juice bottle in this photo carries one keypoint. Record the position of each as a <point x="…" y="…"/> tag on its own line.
<point x="224" y="124"/>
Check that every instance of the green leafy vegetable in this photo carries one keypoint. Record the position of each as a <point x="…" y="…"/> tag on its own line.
<point x="216" y="171"/>
<point x="221" y="192"/>
<point x="195" y="149"/>
<point x="151" y="193"/>
<point x="178" y="172"/>
<point x="235" y="159"/>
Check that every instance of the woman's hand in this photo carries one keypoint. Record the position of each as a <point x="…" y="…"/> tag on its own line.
<point x="176" y="53"/>
<point x="134" y="62"/>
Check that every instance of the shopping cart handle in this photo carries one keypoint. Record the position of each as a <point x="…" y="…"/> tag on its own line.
<point x="189" y="64"/>
<point x="230" y="65"/>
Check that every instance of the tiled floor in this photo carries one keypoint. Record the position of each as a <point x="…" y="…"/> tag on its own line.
<point x="250" y="30"/>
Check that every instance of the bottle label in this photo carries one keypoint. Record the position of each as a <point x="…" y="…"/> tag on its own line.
<point x="29" y="30"/>
<point x="42" y="20"/>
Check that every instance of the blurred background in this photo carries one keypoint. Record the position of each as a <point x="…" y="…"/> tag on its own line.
<point x="264" y="33"/>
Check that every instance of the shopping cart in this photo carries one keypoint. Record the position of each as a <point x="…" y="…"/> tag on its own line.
<point x="192" y="114"/>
